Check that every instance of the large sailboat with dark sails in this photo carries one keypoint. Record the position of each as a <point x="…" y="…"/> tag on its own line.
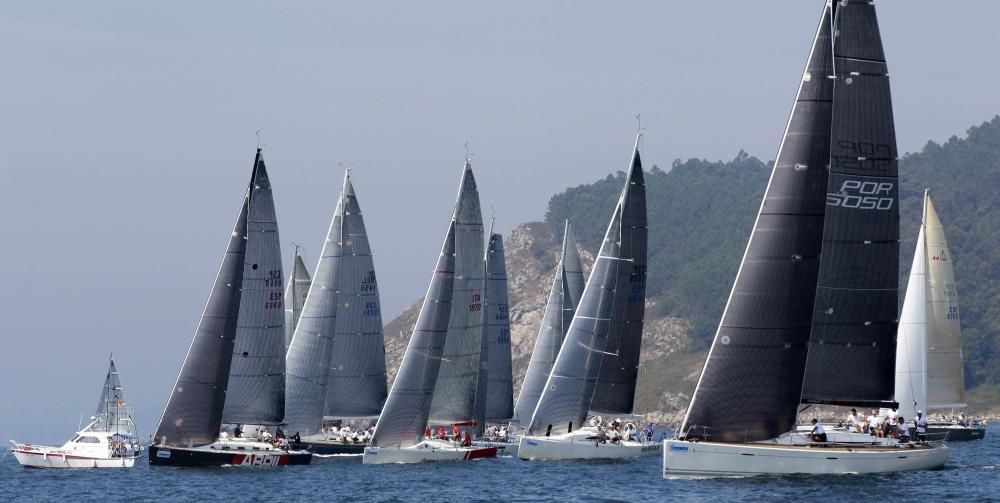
<point x="336" y="359"/>
<point x="813" y="312"/>
<point x="596" y="369"/>
<point x="234" y="369"/>
<point x="439" y="375"/>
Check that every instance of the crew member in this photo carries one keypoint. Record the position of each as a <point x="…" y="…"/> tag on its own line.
<point x="818" y="433"/>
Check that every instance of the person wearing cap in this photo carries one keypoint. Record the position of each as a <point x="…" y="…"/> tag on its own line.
<point x="921" y="423"/>
<point x="818" y="434"/>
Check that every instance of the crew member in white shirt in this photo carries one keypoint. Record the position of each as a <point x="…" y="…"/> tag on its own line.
<point x="818" y="433"/>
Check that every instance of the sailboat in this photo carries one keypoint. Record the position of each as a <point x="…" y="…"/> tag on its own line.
<point x="929" y="372"/>
<point x="295" y="295"/>
<point x="812" y="315"/>
<point x="597" y="365"/>
<point x="234" y="369"/>
<point x="564" y="296"/>
<point x="442" y="365"/>
<point x="336" y="361"/>
<point x="108" y="441"/>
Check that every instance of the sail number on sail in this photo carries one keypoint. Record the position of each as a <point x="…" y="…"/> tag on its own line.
<point x="862" y="195"/>
<point x="477" y="302"/>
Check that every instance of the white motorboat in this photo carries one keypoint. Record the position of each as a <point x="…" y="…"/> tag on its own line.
<point x="87" y="449"/>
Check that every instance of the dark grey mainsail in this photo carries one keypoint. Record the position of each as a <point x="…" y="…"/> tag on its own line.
<point x="455" y="391"/>
<point x="408" y="406"/>
<point x="193" y="413"/>
<point x="500" y="379"/>
<point x="256" y="391"/>
<point x="852" y="347"/>
<point x="615" y="391"/>
<point x="751" y="383"/>
<point x="356" y="386"/>
<point x="567" y="288"/>
<point x="570" y="387"/>
<point x="295" y="295"/>
<point x="308" y="359"/>
<point x="111" y="413"/>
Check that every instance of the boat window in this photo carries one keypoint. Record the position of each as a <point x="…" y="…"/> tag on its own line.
<point x="75" y="439"/>
<point x="89" y="440"/>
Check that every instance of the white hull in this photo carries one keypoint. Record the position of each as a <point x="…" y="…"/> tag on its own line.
<point x="45" y="457"/>
<point x="428" y="450"/>
<point x="581" y="444"/>
<point x="709" y="459"/>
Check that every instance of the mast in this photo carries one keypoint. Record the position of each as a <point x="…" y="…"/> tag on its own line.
<point x="356" y="386"/>
<point x="945" y="372"/>
<point x="615" y="390"/>
<point x="256" y="391"/>
<point x="852" y="345"/>
<point x="752" y="379"/>
<point x="193" y="413"/>
<point x="565" y="293"/>
<point x="569" y="390"/>
<point x="455" y="391"/>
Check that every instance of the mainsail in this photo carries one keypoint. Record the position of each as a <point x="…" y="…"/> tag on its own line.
<point x="929" y="372"/>
<point x="751" y="383"/>
<point x="256" y="392"/>
<point x="295" y="296"/>
<point x="564" y="296"/>
<point x="852" y="346"/>
<point x="408" y="406"/>
<point x="356" y="386"/>
<point x="500" y="380"/>
<point x="945" y="374"/>
<point x="455" y="391"/>
<point x="570" y="386"/>
<point x="615" y="391"/>
<point x="193" y="413"/>
<point x="111" y="415"/>
<point x="309" y="354"/>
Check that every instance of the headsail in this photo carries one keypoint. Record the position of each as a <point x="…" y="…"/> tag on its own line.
<point x="408" y="406"/>
<point x="766" y="322"/>
<point x="569" y="389"/>
<point x="911" y="342"/>
<point x="500" y="380"/>
<point x="256" y="392"/>
<point x="615" y="391"/>
<point x="852" y="346"/>
<point x="356" y="386"/>
<point x="193" y="413"/>
<point x="455" y="391"/>
<point x="567" y="288"/>
<point x="309" y="354"/>
<point x="295" y="296"/>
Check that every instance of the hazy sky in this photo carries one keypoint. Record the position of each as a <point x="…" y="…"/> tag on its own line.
<point x="127" y="131"/>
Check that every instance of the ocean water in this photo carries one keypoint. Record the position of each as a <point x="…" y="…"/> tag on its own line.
<point x="972" y="474"/>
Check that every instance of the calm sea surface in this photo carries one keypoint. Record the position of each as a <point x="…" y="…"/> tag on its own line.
<point x="972" y="474"/>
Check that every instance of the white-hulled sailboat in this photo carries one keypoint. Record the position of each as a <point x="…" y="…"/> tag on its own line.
<point x="812" y="315"/>
<point x="442" y="365"/>
<point x="597" y="365"/>
<point x="234" y="371"/>
<point x="929" y="371"/>
<point x="110" y="439"/>
<point x="336" y="360"/>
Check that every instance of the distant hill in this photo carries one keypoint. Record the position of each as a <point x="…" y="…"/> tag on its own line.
<point x="701" y="214"/>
